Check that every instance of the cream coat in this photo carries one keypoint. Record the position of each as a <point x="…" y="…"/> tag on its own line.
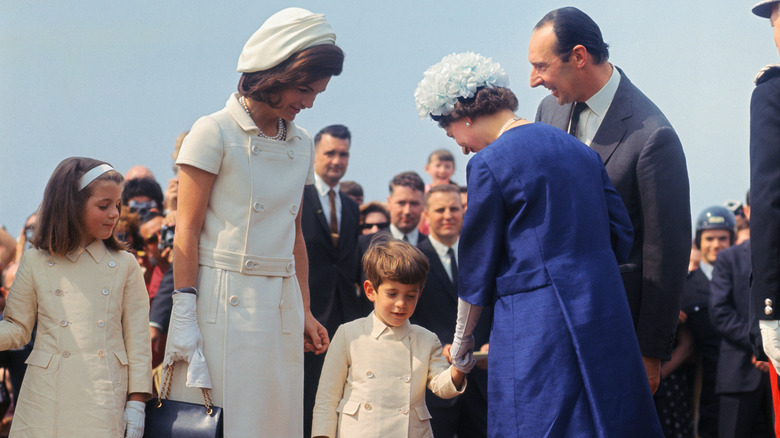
<point x="250" y="309"/>
<point x="374" y="379"/>
<point x="92" y="345"/>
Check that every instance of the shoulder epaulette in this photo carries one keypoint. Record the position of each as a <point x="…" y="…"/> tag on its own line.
<point x="766" y="73"/>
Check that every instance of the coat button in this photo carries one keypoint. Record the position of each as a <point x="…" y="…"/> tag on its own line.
<point x="58" y="292"/>
<point x="291" y="154"/>
<point x="368" y="406"/>
<point x="294" y="209"/>
<point x="256" y="150"/>
<point x="105" y="291"/>
<point x="101" y="353"/>
<point x="100" y="323"/>
<point x="66" y="354"/>
<point x="249" y="264"/>
<point x="407" y="379"/>
<point x="767" y="302"/>
<point x="768" y="310"/>
<point x="404" y="410"/>
<point x="112" y="264"/>
<point x="50" y="263"/>
<point x="369" y="374"/>
<point x="258" y="206"/>
<point x="234" y="300"/>
<point x="63" y="323"/>
<point x="290" y="267"/>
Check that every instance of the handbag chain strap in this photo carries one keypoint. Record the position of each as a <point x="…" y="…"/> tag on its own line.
<point x="165" y="391"/>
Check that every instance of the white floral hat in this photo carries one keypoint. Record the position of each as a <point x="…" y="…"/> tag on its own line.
<point x="457" y="75"/>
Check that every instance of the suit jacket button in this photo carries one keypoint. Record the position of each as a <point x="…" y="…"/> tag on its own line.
<point x="407" y="379"/>
<point x="768" y="310"/>
<point x="369" y="374"/>
<point x="234" y="300"/>
<point x="66" y="354"/>
<point x="404" y="410"/>
<point x="368" y="406"/>
<point x="767" y="302"/>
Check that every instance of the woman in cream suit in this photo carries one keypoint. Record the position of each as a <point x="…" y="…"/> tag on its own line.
<point x="240" y="271"/>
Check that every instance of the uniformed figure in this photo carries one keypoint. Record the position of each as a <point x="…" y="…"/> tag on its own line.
<point x="92" y="351"/>
<point x="715" y="231"/>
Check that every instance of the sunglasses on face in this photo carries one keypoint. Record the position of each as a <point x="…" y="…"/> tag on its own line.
<point x="380" y="225"/>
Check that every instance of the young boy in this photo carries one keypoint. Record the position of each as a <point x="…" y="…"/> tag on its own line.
<point x="376" y="370"/>
<point x="441" y="167"/>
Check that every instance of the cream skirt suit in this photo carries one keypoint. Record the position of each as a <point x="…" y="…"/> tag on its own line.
<point x="250" y="309"/>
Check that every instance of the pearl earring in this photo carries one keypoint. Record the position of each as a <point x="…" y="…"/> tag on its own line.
<point x="468" y="124"/>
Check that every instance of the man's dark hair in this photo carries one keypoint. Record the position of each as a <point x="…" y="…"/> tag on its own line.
<point x="337" y="131"/>
<point x="408" y="179"/>
<point x="573" y="27"/>
<point x="143" y="187"/>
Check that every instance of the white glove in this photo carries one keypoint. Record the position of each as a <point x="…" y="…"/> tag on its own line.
<point x="134" y="419"/>
<point x="185" y="341"/>
<point x="463" y="343"/>
<point x="770" y="336"/>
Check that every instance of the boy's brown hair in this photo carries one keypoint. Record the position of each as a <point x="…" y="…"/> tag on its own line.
<point x="441" y="155"/>
<point x="394" y="260"/>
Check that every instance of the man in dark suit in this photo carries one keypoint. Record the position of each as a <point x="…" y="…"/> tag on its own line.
<point x="644" y="160"/>
<point x="329" y="221"/>
<point x="742" y="382"/>
<point x="437" y="310"/>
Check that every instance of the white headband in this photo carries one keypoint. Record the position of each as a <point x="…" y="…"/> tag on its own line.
<point x="93" y="174"/>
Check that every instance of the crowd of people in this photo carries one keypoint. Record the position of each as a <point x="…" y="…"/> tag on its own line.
<point x="548" y="296"/>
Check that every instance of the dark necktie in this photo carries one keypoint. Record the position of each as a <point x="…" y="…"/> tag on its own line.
<point x="579" y="107"/>
<point x="334" y="222"/>
<point x="453" y="266"/>
<point x="406" y="238"/>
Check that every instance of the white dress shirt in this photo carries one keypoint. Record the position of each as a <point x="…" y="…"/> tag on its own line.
<point x="411" y="236"/>
<point x="706" y="269"/>
<point x="322" y="191"/>
<point x="442" y="249"/>
<point x="598" y="104"/>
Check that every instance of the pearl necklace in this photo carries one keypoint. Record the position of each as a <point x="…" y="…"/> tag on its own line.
<point x="281" y="128"/>
<point x="507" y="124"/>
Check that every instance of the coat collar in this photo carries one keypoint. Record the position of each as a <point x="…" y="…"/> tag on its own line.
<point x="376" y="327"/>
<point x="246" y="123"/>
<point x="97" y="250"/>
<point x="613" y="128"/>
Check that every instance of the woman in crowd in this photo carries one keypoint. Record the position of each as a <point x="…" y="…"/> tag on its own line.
<point x="238" y="246"/>
<point x="373" y="218"/>
<point x="541" y="242"/>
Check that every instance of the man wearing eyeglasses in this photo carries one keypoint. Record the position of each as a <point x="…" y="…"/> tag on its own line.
<point x="330" y="224"/>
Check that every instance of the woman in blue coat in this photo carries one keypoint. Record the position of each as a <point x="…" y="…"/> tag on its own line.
<point x="541" y="242"/>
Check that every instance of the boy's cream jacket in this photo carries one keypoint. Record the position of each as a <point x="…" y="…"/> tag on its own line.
<point x="374" y="378"/>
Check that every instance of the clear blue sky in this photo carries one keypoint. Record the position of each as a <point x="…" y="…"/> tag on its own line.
<point x="119" y="81"/>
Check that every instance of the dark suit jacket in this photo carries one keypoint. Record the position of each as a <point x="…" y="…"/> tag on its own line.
<point x="437" y="310"/>
<point x="334" y="299"/>
<point x="162" y="303"/>
<point x="646" y="163"/>
<point x="765" y="197"/>
<point x="729" y="310"/>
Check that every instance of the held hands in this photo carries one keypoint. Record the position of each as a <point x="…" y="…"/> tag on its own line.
<point x="315" y="337"/>
<point x="134" y="419"/>
<point x="463" y="343"/>
<point x="185" y="341"/>
<point x="770" y="336"/>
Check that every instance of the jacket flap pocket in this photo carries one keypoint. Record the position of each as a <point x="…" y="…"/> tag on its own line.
<point x="39" y="358"/>
<point x="350" y="407"/>
<point x="122" y="356"/>
<point x="422" y="413"/>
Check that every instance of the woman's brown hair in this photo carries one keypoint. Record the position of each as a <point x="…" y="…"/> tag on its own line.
<point x="301" y="68"/>
<point x="486" y="101"/>
<point x="59" y="228"/>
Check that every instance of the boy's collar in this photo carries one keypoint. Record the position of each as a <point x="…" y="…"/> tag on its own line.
<point x="378" y="327"/>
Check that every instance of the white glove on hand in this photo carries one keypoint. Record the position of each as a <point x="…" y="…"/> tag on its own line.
<point x="185" y="341"/>
<point x="770" y="336"/>
<point x="134" y="419"/>
<point x="463" y="343"/>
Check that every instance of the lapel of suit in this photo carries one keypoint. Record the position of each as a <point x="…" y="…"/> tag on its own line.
<point x="437" y="268"/>
<point x="347" y="226"/>
<point x="613" y="128"/>
<point x="313" y="197"/>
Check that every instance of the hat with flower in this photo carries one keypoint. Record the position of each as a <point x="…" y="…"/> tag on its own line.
<point x="458" y="75"/>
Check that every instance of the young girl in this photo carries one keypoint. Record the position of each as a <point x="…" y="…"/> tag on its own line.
<point x="87" y="295"/>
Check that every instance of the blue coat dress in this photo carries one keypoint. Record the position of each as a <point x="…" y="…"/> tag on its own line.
<point x="541" y="242"/>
